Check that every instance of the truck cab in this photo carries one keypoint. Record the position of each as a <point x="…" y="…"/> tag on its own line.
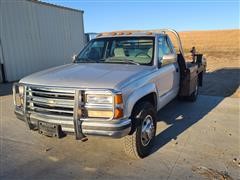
<point x="113" y="88"/>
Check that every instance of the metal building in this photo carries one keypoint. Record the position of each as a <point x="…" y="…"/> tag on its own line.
<point x="36" y="35"/>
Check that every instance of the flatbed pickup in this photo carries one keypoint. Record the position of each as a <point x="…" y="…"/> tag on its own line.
<point x="113" y="88"/>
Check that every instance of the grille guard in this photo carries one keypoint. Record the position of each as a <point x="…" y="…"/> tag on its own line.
<point x="35" y="94"/>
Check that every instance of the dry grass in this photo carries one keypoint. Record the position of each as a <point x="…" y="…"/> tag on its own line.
<point x="221" y="48"/>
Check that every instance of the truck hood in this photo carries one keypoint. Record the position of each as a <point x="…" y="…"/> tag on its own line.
<point x="88" y="75"/>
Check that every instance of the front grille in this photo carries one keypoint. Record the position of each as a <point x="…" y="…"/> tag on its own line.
<point x="50" y="101"/>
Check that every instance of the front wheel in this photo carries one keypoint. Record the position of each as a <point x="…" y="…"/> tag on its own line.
<point x="140" y="143"/>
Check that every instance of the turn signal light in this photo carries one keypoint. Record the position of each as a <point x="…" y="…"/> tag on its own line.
<point x="118" y="99"/>
<point x="118" y="113"/>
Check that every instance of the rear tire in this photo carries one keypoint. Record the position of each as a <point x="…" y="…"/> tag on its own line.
<point x="140" y="143"/>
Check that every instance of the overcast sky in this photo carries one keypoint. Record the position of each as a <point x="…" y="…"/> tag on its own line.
<point x="181" y="15"/>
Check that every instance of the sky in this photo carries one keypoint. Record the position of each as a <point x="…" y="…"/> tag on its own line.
<point x="182" y="15"/>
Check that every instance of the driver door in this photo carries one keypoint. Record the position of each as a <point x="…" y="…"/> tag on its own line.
<point x="167" y="72"/>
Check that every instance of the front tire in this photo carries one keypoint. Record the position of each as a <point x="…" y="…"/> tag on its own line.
<point x="140" y="143"/>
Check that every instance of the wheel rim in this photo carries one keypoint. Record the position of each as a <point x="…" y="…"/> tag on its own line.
<point x="147" y="130"/>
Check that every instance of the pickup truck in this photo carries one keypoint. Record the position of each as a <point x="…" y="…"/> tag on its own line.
<point x="113" y="88"/>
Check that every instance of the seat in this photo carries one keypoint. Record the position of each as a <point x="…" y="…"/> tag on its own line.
<point x="150" y="51"/>
<point x="119" y="52"/>
<point x="144" y="59"/>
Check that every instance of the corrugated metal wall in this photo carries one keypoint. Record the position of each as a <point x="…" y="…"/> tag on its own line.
<point x="37" y="36"/>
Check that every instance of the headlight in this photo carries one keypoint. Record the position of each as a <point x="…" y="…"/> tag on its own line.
<point x="18" y="95"/>
<point x="99" y="99"/>
<point x="104" y="105"/>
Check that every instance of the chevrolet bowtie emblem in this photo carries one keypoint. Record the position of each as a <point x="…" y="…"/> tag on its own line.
<point x="51" y="101"/>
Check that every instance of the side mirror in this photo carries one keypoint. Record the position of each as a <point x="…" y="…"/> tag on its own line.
<point x="167" y="59"/>
<point x="74" y="57"/>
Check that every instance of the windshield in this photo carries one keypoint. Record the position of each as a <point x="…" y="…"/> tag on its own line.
<point x="130" y="50"/>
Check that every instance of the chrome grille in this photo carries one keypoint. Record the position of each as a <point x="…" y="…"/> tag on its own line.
<point x="50" y="101"/>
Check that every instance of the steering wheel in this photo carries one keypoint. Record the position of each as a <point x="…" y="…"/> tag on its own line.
<point x="143" y="53"/>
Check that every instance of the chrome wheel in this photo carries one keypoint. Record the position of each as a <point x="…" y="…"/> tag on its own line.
<point x="147" y="130"/>
<point x="139" y="144"/>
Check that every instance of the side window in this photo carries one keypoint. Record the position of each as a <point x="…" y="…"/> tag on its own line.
<point x="164" y="49"/>
<point x="160" y="48"/>
<point x="170" y="45"/>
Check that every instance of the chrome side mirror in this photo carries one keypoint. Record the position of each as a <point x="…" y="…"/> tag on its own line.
<point x="168" y="59"/>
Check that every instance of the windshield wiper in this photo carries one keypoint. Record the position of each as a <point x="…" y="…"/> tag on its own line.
<point x="85" y="60"/>
<point x="128" y="61"/>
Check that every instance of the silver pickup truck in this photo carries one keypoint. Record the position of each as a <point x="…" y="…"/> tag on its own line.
<point x="113" y="88"/>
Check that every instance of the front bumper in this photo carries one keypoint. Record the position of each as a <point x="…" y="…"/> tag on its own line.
<point x="113" y="129"/>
